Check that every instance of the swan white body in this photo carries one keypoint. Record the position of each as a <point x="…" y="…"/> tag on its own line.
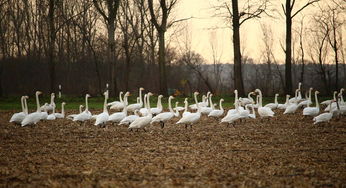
<point x="117" y="105"/>
<point x="298" y="97"/>
<point x="74" y="115"/>
<point x="142" y="122"/>
<point x="192" y="117"/>
<point x="129" y="119"/>
<point x="186" y="112"/>
<point x="248" y="100"/>
<point x="159" y="107"/>
<point x="207" y="109"/>
<point x="85" y="115"/>
<point x="312" y="111"/>
<point x="35" y="117"/>
<point x="103" y="117"/>
<point x="263" y="111"/>
<point x="118" y="116"/>
<point x="19" y="117"/>
<point x="136" y="106"/>
<point x="327" y="102"/>
<point x="144" y="111"/>
<point x="62" y="114"/>
<point x="307" y="102"/>
<point x="204" y="102"/>
<point x="292" y="107"/>
<point x="165" y="116"/>
<point x="217" y="113"/>
<point x="274" y="105"/>
<point x="49" y="107"/>
<point x="284" y="106"/>
<point x="52" y="115"/>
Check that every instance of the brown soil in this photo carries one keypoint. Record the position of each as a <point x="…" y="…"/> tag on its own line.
<point x="285" y="151"/>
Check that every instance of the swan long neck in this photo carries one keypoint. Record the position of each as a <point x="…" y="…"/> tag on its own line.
<point x="221" y="108"/>
<point x="120" y="97"/>
<point x="186" y="104"/>
<point x="236" y="96"/>
<point x="145" y="101"/>
<point x="176" y="110"/>
<point x="159" y="103"/>
<point x="316" y="100"/>
<point x="196" y="101"/>
<point x="148" y="103"/>
<point x="22" y="103"/>
<point x="140" y="97"/>
<point x="63" y="109"/>
<point x="105" y="103"/>
<point x="170" y="104"/>
<point x="86" y="103"/>
<point x="53" y="109"/>
<point x="80" y="108"/>
<point x="51" y="99"/>
<point x="276" y="99"/>
<point x="310" y="94"/>
<point x="38" y="103"/>
<point x="211" y="102"/>
<point x="334" y="95"/>
<point x="26" y="106"/>
<point x="260" y="98"/>
<point x="287" y="99"/>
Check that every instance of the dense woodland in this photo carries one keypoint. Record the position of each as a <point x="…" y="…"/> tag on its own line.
<point x="84" y="44"/>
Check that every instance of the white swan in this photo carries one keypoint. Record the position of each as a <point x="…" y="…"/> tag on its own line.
<point x="248" y="100"/>
<point x="217" y="112"/>
<point x="191" y="118"/>
<point x="325" y="117"/>
<point x="159" y="107"/>
<point x="312" y="111"/>
<point x="284" y="106"/>
<point x="118" y="116"/>
<point x="34" y="117"/>
<point x="186" y="112"/>
<point x="19" y="117"/>
<point x="207" y="109"/>
<point x="71" y="116"/>
<point x="263" y="111"/>
<point x="307" y="102"/>
<point x="52" y="115"/>
<point x="136" y="106"/>
<point x="253" y="114"/>
<point x="62" y="114"/>
<point x="234" y="111"/>
<point x="204" y="102"/>
<point x="142" y="122"/>
<point x="129" y="119"/>
<point x="326" y="102"/>
<point x="117" y="102"/>
<point x="103" y="117"/>
<point x="163" y="117"/>
<point x="144" y="111"/>
<point x="292" y="107"/>
<point x="230" y="118"/>
<point x="86" y="114"/>
<point x="275" y="104"/>
<point x="118" y="105"/>
<point x="49" y="107"/>
<point x="179" y="108"/>
<point x="298" y="97"/>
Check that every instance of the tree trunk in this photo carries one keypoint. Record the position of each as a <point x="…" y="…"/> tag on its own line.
<point x="162" y="64"/>
<point x="238" y="78"/>
<point x="111" y="56"/>
<point x="52" y="37"/>
<point x="288" y="51"/>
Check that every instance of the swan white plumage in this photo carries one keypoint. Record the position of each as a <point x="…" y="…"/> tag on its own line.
<point x="49" y="107"/>
<point x="118" y="105"/>
<point x="129" y="119"/>
<point x="234" y="111"/>
<point x="307" y="102"/>
<point x="326" y="102"/>
<point x="292" y="107"/>
<point x="136" y="106"/>
<point x="207" y="109"/>
<point x="86" y="114"/>
<point x="179" y="108"/>
<point x="159" y="107"/>
<point x="325" y="117"/>
<point x="144" y="111"/>
<point x="298" y="97"/>
<point x="191" y="118"/>
<point x="34" y="117"/>
<point x="142" y="122"/>
<point x="217" y="112"/>
<point x="103" y="117"/>
<point x="312" y="111"/>
<point x="19" y="117"/>
<point x="248" y="100"/>
<point x="253" y="114"/>
<point x="62" y="114"/>
<point x="52" y="115"/>
<point x="283" y="106"/>
<point x="204" y="102"/>
<point x="230" y="118"/>
<point x="163" y="117"/>
<point x="274" y="105"/>
<point x="118" y="116"/>
<point x="71" y="116"/>
<point x="263" y="111"/>
<point x="186" y="112"/>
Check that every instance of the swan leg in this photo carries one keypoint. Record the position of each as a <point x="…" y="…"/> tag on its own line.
<point x="162" y="124"/>
<point x="144" y="129"/>
<point x="185" y="126"/>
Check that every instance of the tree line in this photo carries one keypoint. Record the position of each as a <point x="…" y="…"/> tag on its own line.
<point x="84" y="44"/>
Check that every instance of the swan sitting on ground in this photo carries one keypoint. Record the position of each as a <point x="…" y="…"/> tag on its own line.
<point x="52" y="115"/>
<point x="142" y="122"/>
<point x="118" y="105"/>
<point x="274" y="105"/>
<point x="18" y="117"/>
<point x="206" y="110"/>
<point x="49" y="107"/>
<point x="162" y="118"/>
<point x="102" y="118"/>
<point x="292" y="108"/>
<point x="74" y="115"/>
<point x="159" y="107"/>
<point x="283" y="106"/>
<point x="325" y="117"/>
<point x="34" y="117"/>
<point x="312" y="111"/>
<point x="136" y="106"/>
<point x="234" y="111"/>
<point x="129" y="119"/>
<point x="118" y="116"/>
<point x="86" y="114"/>
<point x="263" y="111"/>
<point x="307" y="101"/>
<point x="217" y="113"/>
<point x="204" y="102"/>
<point x="62" y="114"/>
<point x="230" y="118"/>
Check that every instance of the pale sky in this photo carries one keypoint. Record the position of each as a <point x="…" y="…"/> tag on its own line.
<point x="251" y="33"/>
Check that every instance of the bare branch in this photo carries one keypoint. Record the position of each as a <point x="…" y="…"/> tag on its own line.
<point x="303" y="7"/>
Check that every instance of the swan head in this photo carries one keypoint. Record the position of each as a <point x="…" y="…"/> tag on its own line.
<point x="150" y="94"/>
<point x="171" y="97"/>
<point x="126" y="94"/>
<point x="121" y="92"/>
<point x="38" y="92"/>
<point x="335" y="92"/>
<point x="277" y="94"/>
<point x="52" y="94"/>
<point x="288" y="96"/>
<point x="196" y="93"/>
<point x="176" y="104"/>
<point x="257" y="91"/>
<point x="222" y="100"/>
<point x="299" y="84"/>
<point x="63" y="103"/>
<point x="317" y="92"/>
<point x="160" y="96"/>
<point x="87" y="95"/>
<point x="235" y="91"/>
<point x="252" y="93"/>
<point x="141" y="89"/>
<point x="311" y="88"/>
<point x="208" y="93"/>
<point x="185" y="99"/>
<point x="341" y="90"/>
<point x="107" y="85"/>
<point x="26" y="97"/>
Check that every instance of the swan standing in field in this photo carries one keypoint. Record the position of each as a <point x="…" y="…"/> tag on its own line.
<point x="163" y="117"/>
<point x="298" y="97"/>
<point x="230" y="118"/>
<point x="248" y="100"/>
<point x="144" y="111"/>
<point x="284" y="106"/>
<point x="217" y="113"/>
<point x="129" y="119"/>
<point x="191" y="118"/>
<point x="118" y="105"/>
<point x="142" y="122"/>
<point x="325" y="117"/>
<point x="34" y="117"/>
<point x="312" y="111"/>
<point x="292" y="108"/>
<point x="118" y="116"/>
<point x="102" y="118"/>
<point x="86" y="114"/>
<point x="234" y="111"/>
<point x="263" y="111"/>
<point x="274" y="105"/>
<point x="207" y="109"/>
<point x="204" y="102"/>
<point x="18" y="117"/>
<point x="74" y="115"/>
<point x="307" y="102"/>
<point x="49" y="107"/>
<point x="52" y="115"/>
<point x="62" y="114"/>
<point x="159" y="107"/>
<point x="186" y="112"/>
<point x="136" y="106"/>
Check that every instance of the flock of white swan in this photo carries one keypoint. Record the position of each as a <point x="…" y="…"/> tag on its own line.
<point x="142" y="115"/>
